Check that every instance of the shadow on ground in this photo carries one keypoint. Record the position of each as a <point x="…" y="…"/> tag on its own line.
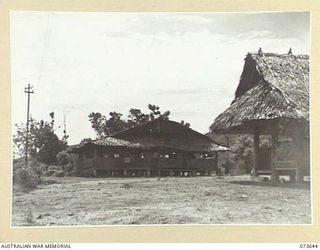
<point x="305" y="185"/>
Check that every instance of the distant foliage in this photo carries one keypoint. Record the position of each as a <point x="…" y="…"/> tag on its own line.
<point x="241" y="154"/>
<point x="241" y="145"/>
<point x="242" y="151"/>
<point x="105" y="126"/>
<point x="44" y="144"/>
<point x="66" y="164"/>
<point x="63" y="158"/>
<point x="185" y="123"/>
<point x="137" y="117"/>
<point x="85" y="140"/>
<point x="156" y="113"/>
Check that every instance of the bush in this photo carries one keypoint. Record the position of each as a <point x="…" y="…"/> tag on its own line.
<point x="59" y="174"/>
<point x="26" y="178"/>
<point x="62" y="158"/>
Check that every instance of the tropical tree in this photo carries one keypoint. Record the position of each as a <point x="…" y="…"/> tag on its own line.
<point x="242" y="151"/>
<point x="43" y="143"/>
<point x="187" y="124"/>
<point x="106" y="126"/>
<point x="136" y="117"/>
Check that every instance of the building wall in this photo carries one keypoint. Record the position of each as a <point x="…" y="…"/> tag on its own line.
<point x="107" y="160"/>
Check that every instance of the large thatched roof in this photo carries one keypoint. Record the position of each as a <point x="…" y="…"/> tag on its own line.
<point x="156" y="134"/>
<point x="166" y="134"/>
<point x="272" y="87"/>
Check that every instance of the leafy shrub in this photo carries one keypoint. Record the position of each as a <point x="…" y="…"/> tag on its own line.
<point x="26" y="178"/>
<point x="67" y="162"/>
<point x="59" y="174"/>
<point x="44" y="144"/>
<point x="62" y="158"/>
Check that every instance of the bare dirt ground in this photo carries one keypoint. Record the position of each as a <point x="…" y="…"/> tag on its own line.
<point x="170" y="200"/>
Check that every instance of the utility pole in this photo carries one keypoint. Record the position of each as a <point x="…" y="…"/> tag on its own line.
<point x="64" y="125"/>
<point x="28" y="90"/>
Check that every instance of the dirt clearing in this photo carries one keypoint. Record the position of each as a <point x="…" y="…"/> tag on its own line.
<point x="134" y="201"/>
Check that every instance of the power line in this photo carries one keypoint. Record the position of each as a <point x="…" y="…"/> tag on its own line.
<point x="45" y="45"/>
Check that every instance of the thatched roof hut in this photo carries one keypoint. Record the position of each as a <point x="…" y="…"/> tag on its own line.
<point x="272" y="98"/>
<point x="155" y="148"/>
<point x="272" y="87"/>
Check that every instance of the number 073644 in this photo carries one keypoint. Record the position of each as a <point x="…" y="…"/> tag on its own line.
<point x="308" y="245"/>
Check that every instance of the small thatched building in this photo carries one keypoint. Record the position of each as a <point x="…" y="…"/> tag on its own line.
<point x="272" y="98"/>
<point x="156" y="148"/>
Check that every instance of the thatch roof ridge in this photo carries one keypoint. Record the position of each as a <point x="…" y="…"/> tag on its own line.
<point x="282" y="91"/>
<point x="301" y="56"/>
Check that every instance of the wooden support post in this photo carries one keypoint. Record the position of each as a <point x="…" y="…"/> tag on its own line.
<point x="217" y="164"/>
<point x="256" y="143"/>
<point x="217" y="159"/>
<point x="148" y="173"/>
<point x="124" y="173"/>
<point x="299" y="174"/>
<point x="94" y="161"/>
<point x="227" y="156"/>
<point x="293" y="176"/>
<point x="274" y="174"/>
<point x="299" y="154"/>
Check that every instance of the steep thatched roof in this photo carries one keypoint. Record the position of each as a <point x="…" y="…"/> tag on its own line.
<point x="108" y="142"/>
<point x="166" y="134"/>
<point x="272" y="87"/>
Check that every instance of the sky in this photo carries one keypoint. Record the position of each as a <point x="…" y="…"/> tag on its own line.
<point x="187" y="63"/>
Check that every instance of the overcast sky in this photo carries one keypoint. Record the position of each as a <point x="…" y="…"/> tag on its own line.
<point x="188" y="63"/>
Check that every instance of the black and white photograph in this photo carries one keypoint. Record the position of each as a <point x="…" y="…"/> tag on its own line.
<point x="160" y="118"/>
